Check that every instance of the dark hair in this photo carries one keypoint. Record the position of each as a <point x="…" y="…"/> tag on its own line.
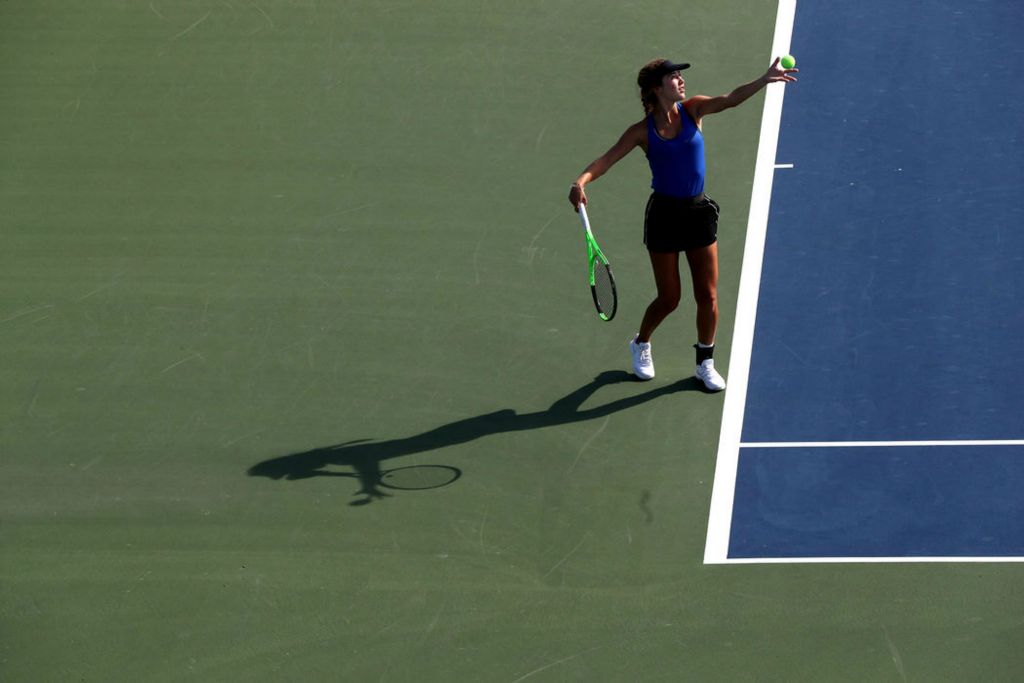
<point x="648" y="79"/>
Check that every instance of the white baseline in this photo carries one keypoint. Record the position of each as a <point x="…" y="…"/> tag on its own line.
<point x="882" y="444"/>
<point x="720" y="516"/>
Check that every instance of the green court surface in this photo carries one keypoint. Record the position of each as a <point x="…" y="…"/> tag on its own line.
<point x="255" y="251"/>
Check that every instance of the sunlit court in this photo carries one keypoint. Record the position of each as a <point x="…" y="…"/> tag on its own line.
<point x="303" y="377"/>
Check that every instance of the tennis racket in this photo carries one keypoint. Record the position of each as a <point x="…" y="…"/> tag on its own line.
<point x="602" y="283"/>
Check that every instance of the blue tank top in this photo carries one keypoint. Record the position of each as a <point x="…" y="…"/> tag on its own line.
<point x="677" y="165"/>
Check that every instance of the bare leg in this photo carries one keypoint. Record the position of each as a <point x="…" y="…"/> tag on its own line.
<point x="704" y="271"/>
<point x="666" y="279"/>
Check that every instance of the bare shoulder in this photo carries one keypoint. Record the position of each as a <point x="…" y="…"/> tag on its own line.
<point x="695" y="106"/>
<point x="636" y="131"/>
<point x="636" y="134"/>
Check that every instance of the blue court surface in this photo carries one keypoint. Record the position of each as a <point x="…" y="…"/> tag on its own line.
<point x="880" y="415"/>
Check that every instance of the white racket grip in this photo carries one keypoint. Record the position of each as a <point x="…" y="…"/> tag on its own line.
<point x="584" y="219"/>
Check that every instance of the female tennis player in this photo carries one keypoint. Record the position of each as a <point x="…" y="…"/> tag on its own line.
<point x="679" y="217"/>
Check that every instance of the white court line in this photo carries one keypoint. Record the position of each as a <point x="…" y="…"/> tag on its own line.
<point x="863" y="560"/>
<point x="880" y="444"/>
<point x="720" y="517"/>
<point x="783" y="165"/>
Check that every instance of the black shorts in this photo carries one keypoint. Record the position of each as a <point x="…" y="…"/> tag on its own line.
<point x="673" y="225"/>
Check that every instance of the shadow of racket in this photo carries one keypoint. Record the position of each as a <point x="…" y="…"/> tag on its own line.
<point x="419" y="477"/>
<point x="408" y="478"/>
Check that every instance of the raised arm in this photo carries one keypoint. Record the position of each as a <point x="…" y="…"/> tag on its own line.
<point x="633" y="137"/>
<point x="702" y="105"/>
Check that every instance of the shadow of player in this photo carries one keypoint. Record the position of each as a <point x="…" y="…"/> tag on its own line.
<point x="364" y="456"/>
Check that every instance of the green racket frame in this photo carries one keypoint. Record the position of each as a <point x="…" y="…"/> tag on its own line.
<point x="596" y="259"/>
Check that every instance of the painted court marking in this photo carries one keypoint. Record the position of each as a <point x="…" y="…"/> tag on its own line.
<point x="859" y="560"/>
<point x="717" y="547"/>
<point x="880" y="444"/>
<point x="722" y="497"/>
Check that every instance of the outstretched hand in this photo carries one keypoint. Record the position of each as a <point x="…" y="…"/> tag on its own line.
<point x="777" y="74"/>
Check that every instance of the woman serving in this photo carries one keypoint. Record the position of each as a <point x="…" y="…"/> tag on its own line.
<point x="679" y="217"/>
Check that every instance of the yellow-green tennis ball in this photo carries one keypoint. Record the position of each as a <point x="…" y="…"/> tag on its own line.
<point x="788" y="62"/>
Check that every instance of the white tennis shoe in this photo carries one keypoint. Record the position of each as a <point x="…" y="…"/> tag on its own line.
<point x="706" y="373"/>
<point x="643" y="364"/>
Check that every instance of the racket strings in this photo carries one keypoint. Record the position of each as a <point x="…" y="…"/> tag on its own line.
<point x="604" y="290"/>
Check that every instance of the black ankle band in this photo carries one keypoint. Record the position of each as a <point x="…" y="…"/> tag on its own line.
<point x="704" y="353"/>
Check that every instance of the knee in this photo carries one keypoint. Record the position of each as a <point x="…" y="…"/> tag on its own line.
<point x="706" y="297"/>
<point x="668" y="302"/>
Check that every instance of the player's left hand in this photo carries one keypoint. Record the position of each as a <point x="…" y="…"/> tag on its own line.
<point x="777" y="74"/>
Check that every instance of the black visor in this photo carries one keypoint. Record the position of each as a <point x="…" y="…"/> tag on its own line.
<point x="671" y="67"/>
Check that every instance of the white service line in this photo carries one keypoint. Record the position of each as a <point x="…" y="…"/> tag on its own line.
<point x="720" y="518"/>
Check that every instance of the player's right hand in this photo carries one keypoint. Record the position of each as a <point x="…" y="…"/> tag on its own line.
<point x="577" y="196"/>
